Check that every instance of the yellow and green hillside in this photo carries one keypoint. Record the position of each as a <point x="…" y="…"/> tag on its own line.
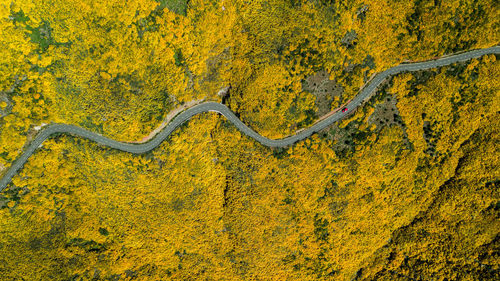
<point x="406" y="188"/>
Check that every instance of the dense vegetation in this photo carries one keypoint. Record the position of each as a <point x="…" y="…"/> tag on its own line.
<point x="408" y="194"/>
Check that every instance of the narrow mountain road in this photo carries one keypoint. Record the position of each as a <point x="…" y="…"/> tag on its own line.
<point x="364" y="95"/>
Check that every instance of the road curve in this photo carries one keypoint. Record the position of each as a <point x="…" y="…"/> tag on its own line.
<point x="364" y="95"/>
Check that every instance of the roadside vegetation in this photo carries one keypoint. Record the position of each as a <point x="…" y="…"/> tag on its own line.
<point x="211" y="203"/>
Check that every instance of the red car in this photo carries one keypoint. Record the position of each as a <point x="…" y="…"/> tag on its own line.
<point x="344" y="109"/>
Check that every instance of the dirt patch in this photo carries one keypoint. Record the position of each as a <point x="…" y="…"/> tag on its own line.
<point x="386" y="114"/>
<point x="343" y="138"/>
<point x="324" y="89"/>
<point x="214" y="64"/>
<point x="349" y="39"/>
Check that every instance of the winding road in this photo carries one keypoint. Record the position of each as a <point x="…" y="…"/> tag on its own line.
<point x="365" y="93"/>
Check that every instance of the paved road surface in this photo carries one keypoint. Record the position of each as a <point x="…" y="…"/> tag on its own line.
<point x="364" y="95"/>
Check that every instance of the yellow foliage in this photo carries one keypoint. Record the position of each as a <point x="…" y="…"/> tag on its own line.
<point x="210" y="203"/>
